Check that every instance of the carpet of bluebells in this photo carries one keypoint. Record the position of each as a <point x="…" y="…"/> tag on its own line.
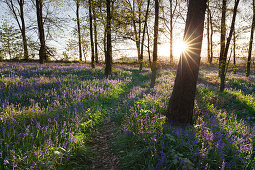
<point x="49" y="111"/>
<point x="48" y="114"/>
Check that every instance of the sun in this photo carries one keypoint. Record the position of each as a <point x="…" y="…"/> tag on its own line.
<point x="179" y="47"/>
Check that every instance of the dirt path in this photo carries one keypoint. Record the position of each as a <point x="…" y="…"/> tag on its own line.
<point x="104" y="157"/>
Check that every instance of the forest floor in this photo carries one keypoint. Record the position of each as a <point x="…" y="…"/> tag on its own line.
<point x="102" y="144"/>
<point x="68" y="116"/>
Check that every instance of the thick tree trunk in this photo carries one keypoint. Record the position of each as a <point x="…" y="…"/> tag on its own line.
<point x="224" y="57"/>
<point x="248" y="71"/>
<point x="181" y="105"/>
<point x="143" y="36"/>
<point x="91" y="35"/>
<point x="108" y="55"/>
<point x="42" y="51"/>
<point x="155" y="46"/>
<point x="78" y="28"/>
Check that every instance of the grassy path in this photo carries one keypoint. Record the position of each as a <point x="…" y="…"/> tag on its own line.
<point x="102" y="143"/>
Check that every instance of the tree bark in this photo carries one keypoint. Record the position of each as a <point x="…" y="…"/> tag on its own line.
<point x="22" y="26"/>
<point x="143" y="36"/>
<point x="137" y="40"/>
<point x="248" y="71"/>
<point x="155" y="45"/>
<point x="234" y="55"/>
<point x="171" y="32"/>
<point x="148" y="45"/>
<point x="95" y="33"/>
<point x="181" y="105"/>
<point x="91" y="35"/>
<point x="23" y="30"/>
<point x="225" y="51"/>
<point x="222" y="34"/>
<point x="42" y="51"/>
<point x="211" y="39"/>
<point x="208" y="33"/>
<point x="108" y="55"/>
<point x="78" y="28"/>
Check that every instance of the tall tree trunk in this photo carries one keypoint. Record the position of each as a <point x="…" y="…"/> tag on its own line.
<point x="251" y="41"/>
<point x="155" y="45"/>
<point x="181" y="105"/>
<point x="22" y="26"/>
<point x="224" y="57"/>
<point x="95" y="33"/>
<point x="222" y="35"/>
<point x="143" y="36"/>
<point x="208" y="33"/>
<point x="42" y="51"/>
<point x="104" y="39"/>
<point x="171" y="32"/>
<point x="234" y="55"/>
<point x="148" y="44"/>
<point x="9" y="48"/>
<point x="91" y="35"/>
<point x="108" y="55"/>
<point x="78" y="28"/>
<point x="23" y="29"/>
<point x="211" y="39"/>
<point x="137" y="40"/>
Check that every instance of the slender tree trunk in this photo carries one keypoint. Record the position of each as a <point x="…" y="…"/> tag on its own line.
<point x="23" y="29"/>
<point x="155" y="45"/>
<point x="139" y="34"/>
<point x="143" y="36"/>
<point x="42" y="52"/>
<point x="148" y="45"/>
<point x="84" y="54"/>
<point x="78" y="28"/>
<point x="248" y="71"/>
<point x="22" y="26"/>
<point x="104" y="40"/>
<point x="224" y="57"/>
<point x="108" y="56"/>
<point x="211" y="39"/>
<point x="91" y="34"/>
<point x="234" y="55"/>
<point x="9" y="48"/>
<point x="171" y="32"/>
<point x="208" y="33"/>
<point x="222" y="35"/>
<point x="181" y="105"/>
<point x="137" y="40"/>
<point x="95" y="34"/>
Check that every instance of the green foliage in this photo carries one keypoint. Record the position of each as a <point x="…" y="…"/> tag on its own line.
<point x="10" y="41"/>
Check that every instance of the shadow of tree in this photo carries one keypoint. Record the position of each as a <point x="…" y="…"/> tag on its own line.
<point x="227" y="101"/>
